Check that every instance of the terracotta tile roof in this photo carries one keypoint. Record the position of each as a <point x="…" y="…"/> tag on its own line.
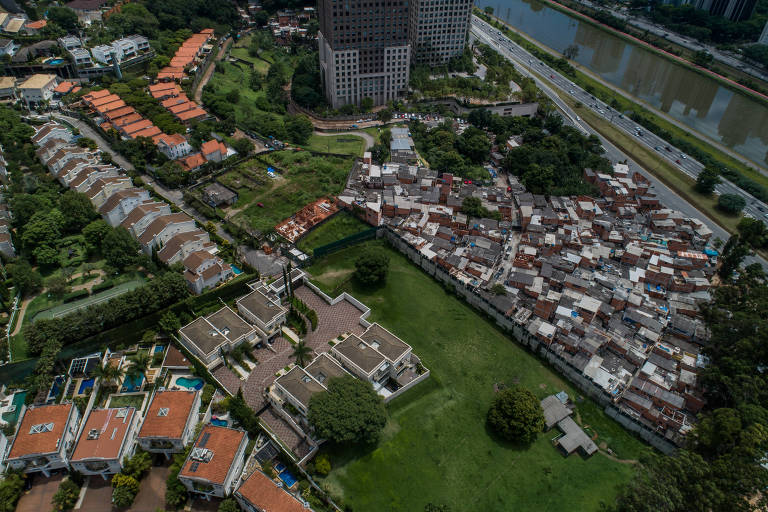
<point x="182" y="98"/>
<point x="223" y="442"/>
<point x="104" y="433"/>
<point x="207" y="31"/>
<point x="137" y="126"/>
<point x="192" y="114"/>
<point x="42" y="442"/>
<point x="162" y="87"/>
<point x="264" y="494"/>
<point x="113" y="105"/>
<point x="147" y="132"/>
<point x="64" y="87"/>
<point x="186" y="51"/>
<point x="182" y="107"/>
<point x="96" y="94"/>
<point x="129" y="119"/>
<point x="119" y="112"/>
<point x="36" y="25"/>
<point x="214" y="270"/>
<point x="182" y="61"/>
<point x="171" y="424"/>
<point x="192" y="162"/>
<point x="175" y="359"/>
<point x="103" y="99"/>
<point x="212" y="146"/>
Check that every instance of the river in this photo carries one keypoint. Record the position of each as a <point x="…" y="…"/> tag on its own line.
<point x="700" y="102"/>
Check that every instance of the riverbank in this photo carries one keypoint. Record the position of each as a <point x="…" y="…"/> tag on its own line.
<point x="676" y="133"/>
<point x="723" y="80"/>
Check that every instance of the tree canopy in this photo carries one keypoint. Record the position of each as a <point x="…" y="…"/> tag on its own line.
<point x="516" y="415"/>
<point x="349" y="412"/>
<point x="707" y="180"/>
<point x="731" y="203"/>
<point x="371" y="267"/>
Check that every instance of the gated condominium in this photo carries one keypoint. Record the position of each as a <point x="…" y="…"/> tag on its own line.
<point x="262" y="311"/>
<point x="170" y="421"/>
<point x="44" y="439"/>
<point x="105" y="441"/>
<point x="213" y="467"/>
<point x="208" y="337"/>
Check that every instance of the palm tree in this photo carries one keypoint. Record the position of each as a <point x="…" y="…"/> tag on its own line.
<point x="109" y="373"/>
<point x="140" y="364"/>
<point x="301" y="352"/>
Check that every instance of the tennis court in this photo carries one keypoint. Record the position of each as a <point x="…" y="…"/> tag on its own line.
<point x="65" y="309"/>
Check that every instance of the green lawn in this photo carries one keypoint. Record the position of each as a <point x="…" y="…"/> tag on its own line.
<point x="342" y="144"/>
<point x="435" y="447"/>
<point x="304" y="178"/>
<point x="339" y="226"/>
<point x="126" y="401"/>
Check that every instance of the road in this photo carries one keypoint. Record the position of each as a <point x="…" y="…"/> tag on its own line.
<point x="87" y="131"/>
<point x="526" y="62"/>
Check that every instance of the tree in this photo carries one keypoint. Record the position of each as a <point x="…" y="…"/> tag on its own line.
<point x="77" y="210"/>
<point x="385" y="115"/>
<point x="95" y="233"/>
<point x="733" y="253"/>
<point x="66" y="496"/>
<point x="571" y="52"/>
<point x="473" y="207"/>
<point x="24" y="278"/>
<point x="243" y="146"/>
<point x="516" y="415"/>
<point x="229" y="505"/>
<point x="169" y="323"/>
<point x="322" y="464"/>
<point x="707" y="180"/>
<point x="108" y="373"/>
<point x="366" y="104"/>
<point x="57" y="286"/>
<point x="431" y="507"/>
<point x="349" y="412"/>
<point x="138" y="465"/>
<point x="298" y="128"/>
<point x="11" y="488"/>
<point x="125" y="490"/>
<point x="731" y="203"/>
<point x="301" y="353"/>
<point x="474" y="145"/>
<point x="488" y="10"/>
<point x="371" y="267"/>
<point x="499" y="289"/>
<point x="119" y="248"/>
<point x="139" y="366"/>
<point x="64" y="17"/>
<point x="753" y="232"/>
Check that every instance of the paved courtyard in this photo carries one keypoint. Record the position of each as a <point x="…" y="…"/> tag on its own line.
<point x="151" y="495"/>
<point x="38" y="498"/>
<point x="98" y="496"/>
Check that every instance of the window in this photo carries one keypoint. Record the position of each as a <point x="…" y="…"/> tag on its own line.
<point x="163" y="411"/>
<point x="41" y="428"/>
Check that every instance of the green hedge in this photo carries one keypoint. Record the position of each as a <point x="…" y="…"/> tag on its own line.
<point x="79" y="294"/>
<point x="106" y="285"/>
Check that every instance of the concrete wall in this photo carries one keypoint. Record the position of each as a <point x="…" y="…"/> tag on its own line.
<point x="523" y="337"/>
<point x="408" y="386"/>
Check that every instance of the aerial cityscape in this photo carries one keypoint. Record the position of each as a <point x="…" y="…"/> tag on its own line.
<point x="426" y="255"/>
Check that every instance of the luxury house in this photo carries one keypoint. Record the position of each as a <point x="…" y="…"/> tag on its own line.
<point x="208" y="336"/>
<point x="170" y="421"/>
<point x="213" y="467"/>
<point x="105" y="441"/>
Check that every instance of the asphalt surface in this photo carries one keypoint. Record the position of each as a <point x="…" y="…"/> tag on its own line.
<point x="526" y="63"/>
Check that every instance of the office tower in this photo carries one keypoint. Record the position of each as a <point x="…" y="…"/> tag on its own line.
<point x="364" y="50"/>
<point x="438" y="29"/>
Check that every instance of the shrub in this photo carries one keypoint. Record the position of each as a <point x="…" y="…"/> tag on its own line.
<point x="516" y="415"/>
<point x="106" y="285"/>
<point x="138" y="465"/>
<point x="78" y="294"/>
<point x="125" y="490"/>
<point x="322" y="464"/>
<point x="66" y="496"/>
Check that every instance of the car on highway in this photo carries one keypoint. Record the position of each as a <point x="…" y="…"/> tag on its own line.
<point x="683" y="156"/>
<point x="657" y="148"/>
<point x="677" y="162"/>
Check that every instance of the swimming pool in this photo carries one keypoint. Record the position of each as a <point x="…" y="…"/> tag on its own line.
<point x="236" y="270"/>
<point x="159" y="348"/>
<point x="186" y="382"/>
<point x="55" y="62"/>
<point x="219" y="423"/>
<point x="18" y="400"/>
<point x="288" y="478"/>
<point x="131" y="383"/>
<point x="56" y="386"/>
<point x="85" y="385"/>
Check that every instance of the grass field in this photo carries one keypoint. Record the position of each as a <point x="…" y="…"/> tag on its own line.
<point x="127" y="401"/>
<point x="435" y="446"/>
<point x="303" y="179"/>
<point x="339" y="226"/>
<point x="341" y="144"/>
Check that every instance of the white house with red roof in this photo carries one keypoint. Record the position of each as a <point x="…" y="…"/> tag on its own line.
<point x="44" y="438"/>
<point x="214" y="151"/>
<point x="215" y="463"/>
<point x="173" y="146"/>
<point x="170" y="421"/>
<point x="105" y="441"/>
<point x="259" y="493"/>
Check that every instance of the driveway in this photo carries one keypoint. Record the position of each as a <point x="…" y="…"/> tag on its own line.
<point x="98" y="495"/>
<point x="38" y="498"/>
<point x="151" y="495"/>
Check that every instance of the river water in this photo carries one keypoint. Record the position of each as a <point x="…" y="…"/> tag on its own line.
<point x="733" y="119"/>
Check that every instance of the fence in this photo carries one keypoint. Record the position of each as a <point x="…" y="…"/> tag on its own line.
<point x="530" y="341"/>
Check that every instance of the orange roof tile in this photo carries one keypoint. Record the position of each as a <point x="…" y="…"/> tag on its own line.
<point x="96" y="94"/>
<point x="185" y="52"/>
<point x="162" y="86"/>
<point x="192" y="114"/>
<point x="104" y="99"/>
<point x="27" y="443"/>
<point x="182" y="98"/>
<point x="182" y="107"/>
<point x="264" y="494"/>
<point x="171" y="424"/>
<point x="192" y="162"/>
<point x="147" y="132"/>
<point x="129" y="119"/>
<point x="76" y="89"/>
<point x="103" y="109"/>
<point x="207" y="31"/>
<point x="64" y="87"/>
<point x="212" y="146"/>
<point x="36" y="25"/>
<point x="104" y="433"/>
<point x="224" y="443"/>
<point x="137" y="126"/>
<point x="119" y="112"/>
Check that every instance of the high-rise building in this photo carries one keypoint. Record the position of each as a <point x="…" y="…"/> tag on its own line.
<point x="438" y="29"/>
<point x="734" y="10"/>
<point x="364" y="50"/>
<point x="764" y="35"/>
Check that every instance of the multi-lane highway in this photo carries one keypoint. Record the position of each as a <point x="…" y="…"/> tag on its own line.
<point x="531" y="66"/>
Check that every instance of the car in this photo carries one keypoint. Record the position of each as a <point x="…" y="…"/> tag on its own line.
<point x="677" y="162"/>
<point x="668" y="148"/>
<point x="683" y="156"/>
<point x="551" y="76"/>
<point x="657" y="148"/>
<point x="260" y="205"/>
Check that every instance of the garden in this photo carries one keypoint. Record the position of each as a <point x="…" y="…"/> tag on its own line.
<point x="337" y="227"/>
<point x="300" y="178"/>
<point x="435" y="447"/>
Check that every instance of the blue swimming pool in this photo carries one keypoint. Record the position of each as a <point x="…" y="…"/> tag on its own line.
<point x="18" y="400"/>
<point x="159" y="348"/>
<point x="219" y="423"/>
<point x="84" y="385"/>
<point x="57" y="383"/>
<point x="131" y="383"/>
<point x="288" y="478"/>
<point x="236" y="270"/>
<point x="186" y="382"/>
<point x="55" y="62"/>
<point x="280" y="467"/>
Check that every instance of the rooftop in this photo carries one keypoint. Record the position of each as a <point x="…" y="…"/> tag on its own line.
<point x="103" y="434"/>
<point x="261" y="306"/>
<point x="167" y="414"/>
<point x="41" y="430"/>
<point x="209" y="332"/>
<point x="213" y="453"/>
<point x="264" y="494"/>
<point x="360" y="353"/>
